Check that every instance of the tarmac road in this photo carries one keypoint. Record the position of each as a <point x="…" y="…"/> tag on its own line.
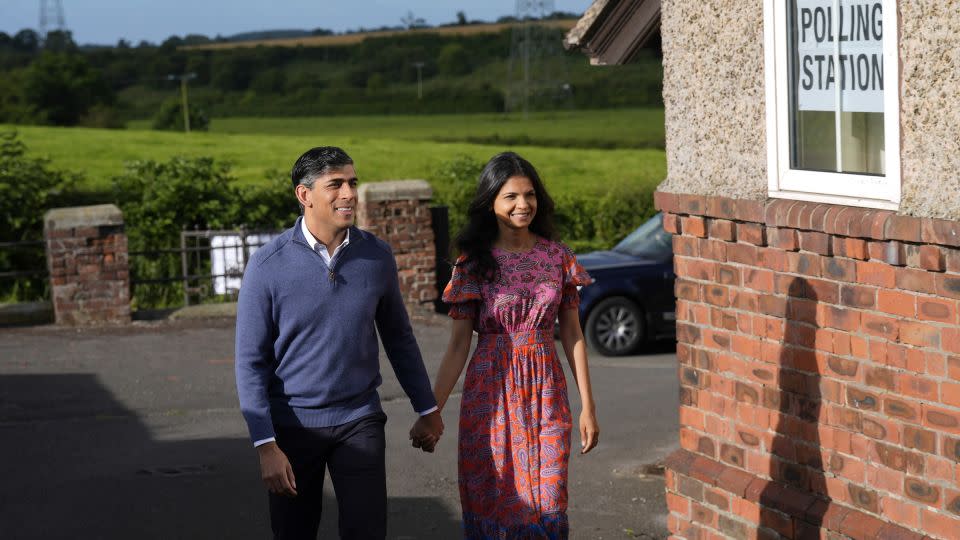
<point x="135" y="433"/>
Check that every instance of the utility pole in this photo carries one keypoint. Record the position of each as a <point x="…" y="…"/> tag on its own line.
<point x="419" y="66"/>
<point x="183" y="96"/>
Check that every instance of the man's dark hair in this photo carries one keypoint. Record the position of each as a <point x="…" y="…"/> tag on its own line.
<point x="318" y="161"/>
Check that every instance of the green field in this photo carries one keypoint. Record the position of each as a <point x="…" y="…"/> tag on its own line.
<point x="629" y="128"/>
<point x="384" y="147"/>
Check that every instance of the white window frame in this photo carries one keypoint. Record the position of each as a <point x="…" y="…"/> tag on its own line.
<point x="828" y="187"/>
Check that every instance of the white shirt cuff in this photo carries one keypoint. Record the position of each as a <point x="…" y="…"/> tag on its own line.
<point x="261" y="442"/>
<point x="428" y="411"/>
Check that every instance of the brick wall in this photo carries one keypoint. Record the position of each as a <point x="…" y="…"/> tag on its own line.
<point x="399" y="213"/>
<point x="87" y="259"/>
<point x="819" y="360"/>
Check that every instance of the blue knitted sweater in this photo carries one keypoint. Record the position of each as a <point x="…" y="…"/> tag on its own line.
<point x="306" y="349"/>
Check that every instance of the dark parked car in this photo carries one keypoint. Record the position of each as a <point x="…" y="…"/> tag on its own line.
<point x="631" y="300"/>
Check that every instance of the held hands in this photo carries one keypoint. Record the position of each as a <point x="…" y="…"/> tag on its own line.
<point x="276" y="471"/>
<point x="426" y="431"/>
<point x="589" y="431"/>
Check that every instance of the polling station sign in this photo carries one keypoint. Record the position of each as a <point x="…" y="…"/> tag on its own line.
<point x="839" y="46"/>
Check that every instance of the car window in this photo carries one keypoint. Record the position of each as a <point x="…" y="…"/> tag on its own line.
<point x="648" y="240"/>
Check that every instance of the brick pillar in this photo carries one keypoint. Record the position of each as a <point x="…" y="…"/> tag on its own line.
<point x="819" y="355"/>
<point x="399" y="213"/>
<point x="87" y="261"/>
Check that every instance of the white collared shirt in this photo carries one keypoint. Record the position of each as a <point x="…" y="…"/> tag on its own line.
<point x="324" y="253"/>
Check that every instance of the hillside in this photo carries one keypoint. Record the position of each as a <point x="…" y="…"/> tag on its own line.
<point x="354" y="38"/>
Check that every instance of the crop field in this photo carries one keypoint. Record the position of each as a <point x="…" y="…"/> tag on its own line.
<point x="384" y="147"/>
<point x="350" y="39"/>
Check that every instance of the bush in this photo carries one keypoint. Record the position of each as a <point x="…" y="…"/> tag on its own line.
<point x="170" y="117"/>
<point x="159" y="200"/>
<point x="454" y="184"/>
<point x="28" y="188"/>
<point x="585" y="224"/>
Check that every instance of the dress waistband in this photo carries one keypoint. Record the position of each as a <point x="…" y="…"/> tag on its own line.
<point x="526" y="337"/>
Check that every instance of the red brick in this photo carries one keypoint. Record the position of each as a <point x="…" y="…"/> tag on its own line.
<point x="722" y="229"/>
<point x="939" y="525"/>
<point x="940" y="231"/>
<point x="785" y="239"/>
<point x="948" y="285"/>
<point x="920" y="439"/>
<point x="686" y="246"/>
<point x="665" y="202"/>
<point x="881" y="378"/>
<point x="932" y="258"/>
<point x="861" y="526"/>
<point x="855" y="248"/>
<point x="936" y="309"/>
<point x="950" y="393"/>
<point x="772" y="259"/>
<point x="905" y="228"/>
<point x="875" y="273"/>
<point x="941" y="419"/>
<point x="916" y="280"/>
<point x="858" y="297"/>
<point x="713" y="249"/>
<point x="897" y="303"/>
<point x="694" y="226"/>
<point x="807" y="264"/>
<point x="815" y="242"/>
<point x="838" y="269"/>
<point x="902" y="512"/>
<point x="671" y="223"/>
<point x="876" y="325"/>
<point x="919" y="334"/>
<point x="751" y="233"/>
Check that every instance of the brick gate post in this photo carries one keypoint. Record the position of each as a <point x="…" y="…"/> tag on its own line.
<point x="87" y="259"/>
<point x="399" y="213"/>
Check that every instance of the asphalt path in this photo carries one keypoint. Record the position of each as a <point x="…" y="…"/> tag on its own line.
<point x="135" y="433"/>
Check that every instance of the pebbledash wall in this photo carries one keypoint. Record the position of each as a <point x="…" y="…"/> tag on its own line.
<point x="818" y="344"/>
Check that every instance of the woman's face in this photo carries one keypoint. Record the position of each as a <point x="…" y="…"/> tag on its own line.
<point x="516" y="203"/>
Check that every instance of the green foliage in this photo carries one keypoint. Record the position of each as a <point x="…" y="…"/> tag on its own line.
<point x="454" y="184"/>
<point x="62" y="87"/>
<point x="589" y="224"/>
<point x="161" y="199"/>
<point x="170" y="117"/>
<point x="28" y="188"/>
<point x="453" y="60"/>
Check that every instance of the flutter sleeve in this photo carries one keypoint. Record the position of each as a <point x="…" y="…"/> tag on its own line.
<point x="463" y="292"/>
<point x="573" y="276"/>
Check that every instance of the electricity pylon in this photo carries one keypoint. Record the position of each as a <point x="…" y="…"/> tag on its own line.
<point x="536" y="71"/>
<point x="51" y="17"/>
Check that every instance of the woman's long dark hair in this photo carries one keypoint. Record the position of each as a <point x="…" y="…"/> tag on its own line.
<point x="478" y="235"/>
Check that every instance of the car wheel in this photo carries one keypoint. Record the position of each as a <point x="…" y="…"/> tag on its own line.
<point x="615" y="327"/>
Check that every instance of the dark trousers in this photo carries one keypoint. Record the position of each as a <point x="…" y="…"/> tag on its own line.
<point x="354" y="453"/>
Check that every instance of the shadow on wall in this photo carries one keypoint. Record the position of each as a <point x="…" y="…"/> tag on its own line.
<point x="79" y="464"/>
<point x="796" y="450"/>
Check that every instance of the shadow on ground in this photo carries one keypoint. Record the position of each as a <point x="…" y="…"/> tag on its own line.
<point x="79" y="464"/>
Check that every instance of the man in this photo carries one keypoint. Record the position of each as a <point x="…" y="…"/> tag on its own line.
<point x="307" y="360"/>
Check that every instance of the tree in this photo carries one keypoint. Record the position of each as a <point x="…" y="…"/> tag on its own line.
<point x="461" y="18"/>
<point x="26" y="40"/>
<point x="60" y="41"/>
<point x="453" y="60"/>
<point x="60" y="88"/>
<point x="411" y="21"/>
<point x="170" y="116"/>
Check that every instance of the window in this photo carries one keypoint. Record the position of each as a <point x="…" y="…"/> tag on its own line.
<point x="832" y="101"/>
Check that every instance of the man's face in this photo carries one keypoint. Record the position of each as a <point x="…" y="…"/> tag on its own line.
<point x="333" y="200"/>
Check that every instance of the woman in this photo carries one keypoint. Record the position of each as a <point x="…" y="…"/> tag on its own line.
<point x="510" y="284"/>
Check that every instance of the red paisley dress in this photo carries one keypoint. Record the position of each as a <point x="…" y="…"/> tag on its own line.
<point x="515" y="421"/>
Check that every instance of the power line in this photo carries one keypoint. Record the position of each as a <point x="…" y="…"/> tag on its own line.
<point x="535" y="71"/>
